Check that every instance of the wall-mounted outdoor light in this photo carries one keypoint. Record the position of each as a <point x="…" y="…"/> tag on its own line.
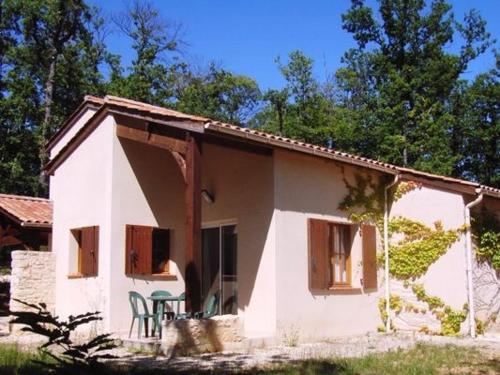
<point x="207" y="196"/>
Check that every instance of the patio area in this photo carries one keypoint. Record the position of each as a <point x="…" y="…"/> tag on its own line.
<point x="159" y="325"/>
<point x="190" y="336"/>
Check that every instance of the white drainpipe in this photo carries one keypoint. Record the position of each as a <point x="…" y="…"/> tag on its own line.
<point x="386" y="254"/>
<point x="468" y="254"/>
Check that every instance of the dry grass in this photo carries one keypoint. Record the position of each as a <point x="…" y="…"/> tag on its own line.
<point x="423" y="359"/>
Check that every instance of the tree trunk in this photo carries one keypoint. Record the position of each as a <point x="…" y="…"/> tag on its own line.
<point x="280" y="120"/>
<point x="49" y="91"/>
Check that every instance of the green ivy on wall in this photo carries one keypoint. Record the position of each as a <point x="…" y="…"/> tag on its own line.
<point x="418" y="247"/>
<point x="486" y="231"/>
<point x="364" y="201"/>
<point x="450" y="319"/>
<point x="395" y="304"/>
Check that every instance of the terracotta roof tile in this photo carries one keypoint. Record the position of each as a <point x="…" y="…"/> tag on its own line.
<point x="27" y="211"/>
<point x="273" y="140"/>
<point x="262" y="137"/>
<point x="132" y="104"/>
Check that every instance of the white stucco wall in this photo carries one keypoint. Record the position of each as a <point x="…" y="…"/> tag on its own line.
<point x="81" y="192"/>
<point x="307" y="187"/>
<point x="148" y="190"/>
<point x="84" y="117"/>
<point x="111" y="182"/>
<point x="446" y="278"/>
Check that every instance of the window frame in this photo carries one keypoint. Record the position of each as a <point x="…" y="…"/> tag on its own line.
<point x="81" y="253"/>
<point x="348" y="244"/>
<point x="145" y="270"/>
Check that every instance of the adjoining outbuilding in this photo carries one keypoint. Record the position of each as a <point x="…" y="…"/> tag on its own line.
<point x="288" y="234"/>
<point x="25" y="224"/>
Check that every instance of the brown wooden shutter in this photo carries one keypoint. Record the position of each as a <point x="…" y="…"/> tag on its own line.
<point x="318" y="254"/>
<point x="88" y="251"/>
<point x="368" y="233"/>
<point x="139" y="242"/>
<point x="128" y="249"/>
<point x="95" y="255"/>
<point x="348" y="247"/>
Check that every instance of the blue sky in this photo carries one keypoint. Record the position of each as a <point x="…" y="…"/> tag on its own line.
<point x="245" y="37"/>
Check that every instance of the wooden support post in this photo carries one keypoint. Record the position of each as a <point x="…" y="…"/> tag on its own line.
<point x="193" y="224"/>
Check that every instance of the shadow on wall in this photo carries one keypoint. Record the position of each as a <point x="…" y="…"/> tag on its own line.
<point x="243" y="182"/>
<point x="162" y="185"/>
<point x="312" y="186"/>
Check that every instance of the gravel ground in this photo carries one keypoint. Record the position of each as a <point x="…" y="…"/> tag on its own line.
<point x="342" y="347"/>
<point x="356" y="346"/>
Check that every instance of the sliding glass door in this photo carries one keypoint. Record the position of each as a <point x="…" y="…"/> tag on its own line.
<point x="219" y="266"/>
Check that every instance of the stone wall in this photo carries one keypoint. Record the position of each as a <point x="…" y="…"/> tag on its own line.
<point x="32" y="279"/>
<point x="192" y="336"/>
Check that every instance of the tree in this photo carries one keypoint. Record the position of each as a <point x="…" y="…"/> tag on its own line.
<point x="220" y="95"/>
<point x="301" y="109"/>
<point x="150" y="78"/>
<point x="50" y="63"/>
<point x="278" y="100"/>
<point x="477" y="109"/>
<point x="400" y="78"/>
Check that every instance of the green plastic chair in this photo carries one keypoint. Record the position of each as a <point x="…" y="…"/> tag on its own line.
<point x="211" y="308"/>
<point x="134" y="299"/>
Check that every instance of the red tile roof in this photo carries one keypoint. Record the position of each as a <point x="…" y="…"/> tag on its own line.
<point x="153" y="109"/>
<point x="277" y="140"/>
<point x="27" y="211"/>
<point x="131" y="106"/>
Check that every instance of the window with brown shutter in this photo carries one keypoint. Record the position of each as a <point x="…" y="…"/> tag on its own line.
<point x="87" y="240"/>
<point x="147" y="251"/>
<point x="368" y="233"/>
<point x="329" y="254"/>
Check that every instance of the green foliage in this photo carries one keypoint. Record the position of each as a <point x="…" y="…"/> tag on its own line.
<point x="70" y="357"/>
<point x="304" y="109"/>
<point x="13" y="360"/>
<point x="396" y="304"/>
<point x="421" y="359"/>
<point x="49" y="60"/>
<point x="220" y="95"/>
<point x="450" y="319"/>
<point x="365" y="199"/>
<point x="433" y="302"/>
<point x="450" y="323"/>
<point x="398" y="96"/>
<point x="421" y="246"/>
<point x="404" y="187"/>
<point x="486" y="230"/>
<point x="476" y="130"/>
<point x="489" y="248"/>
<point x="400" y="85"/>
<point x="153" y="40"/>
<point x="480" y="326"/>
<point x="411" y="257"/>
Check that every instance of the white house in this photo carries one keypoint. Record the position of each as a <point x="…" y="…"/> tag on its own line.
<point x="147" y="198"/>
